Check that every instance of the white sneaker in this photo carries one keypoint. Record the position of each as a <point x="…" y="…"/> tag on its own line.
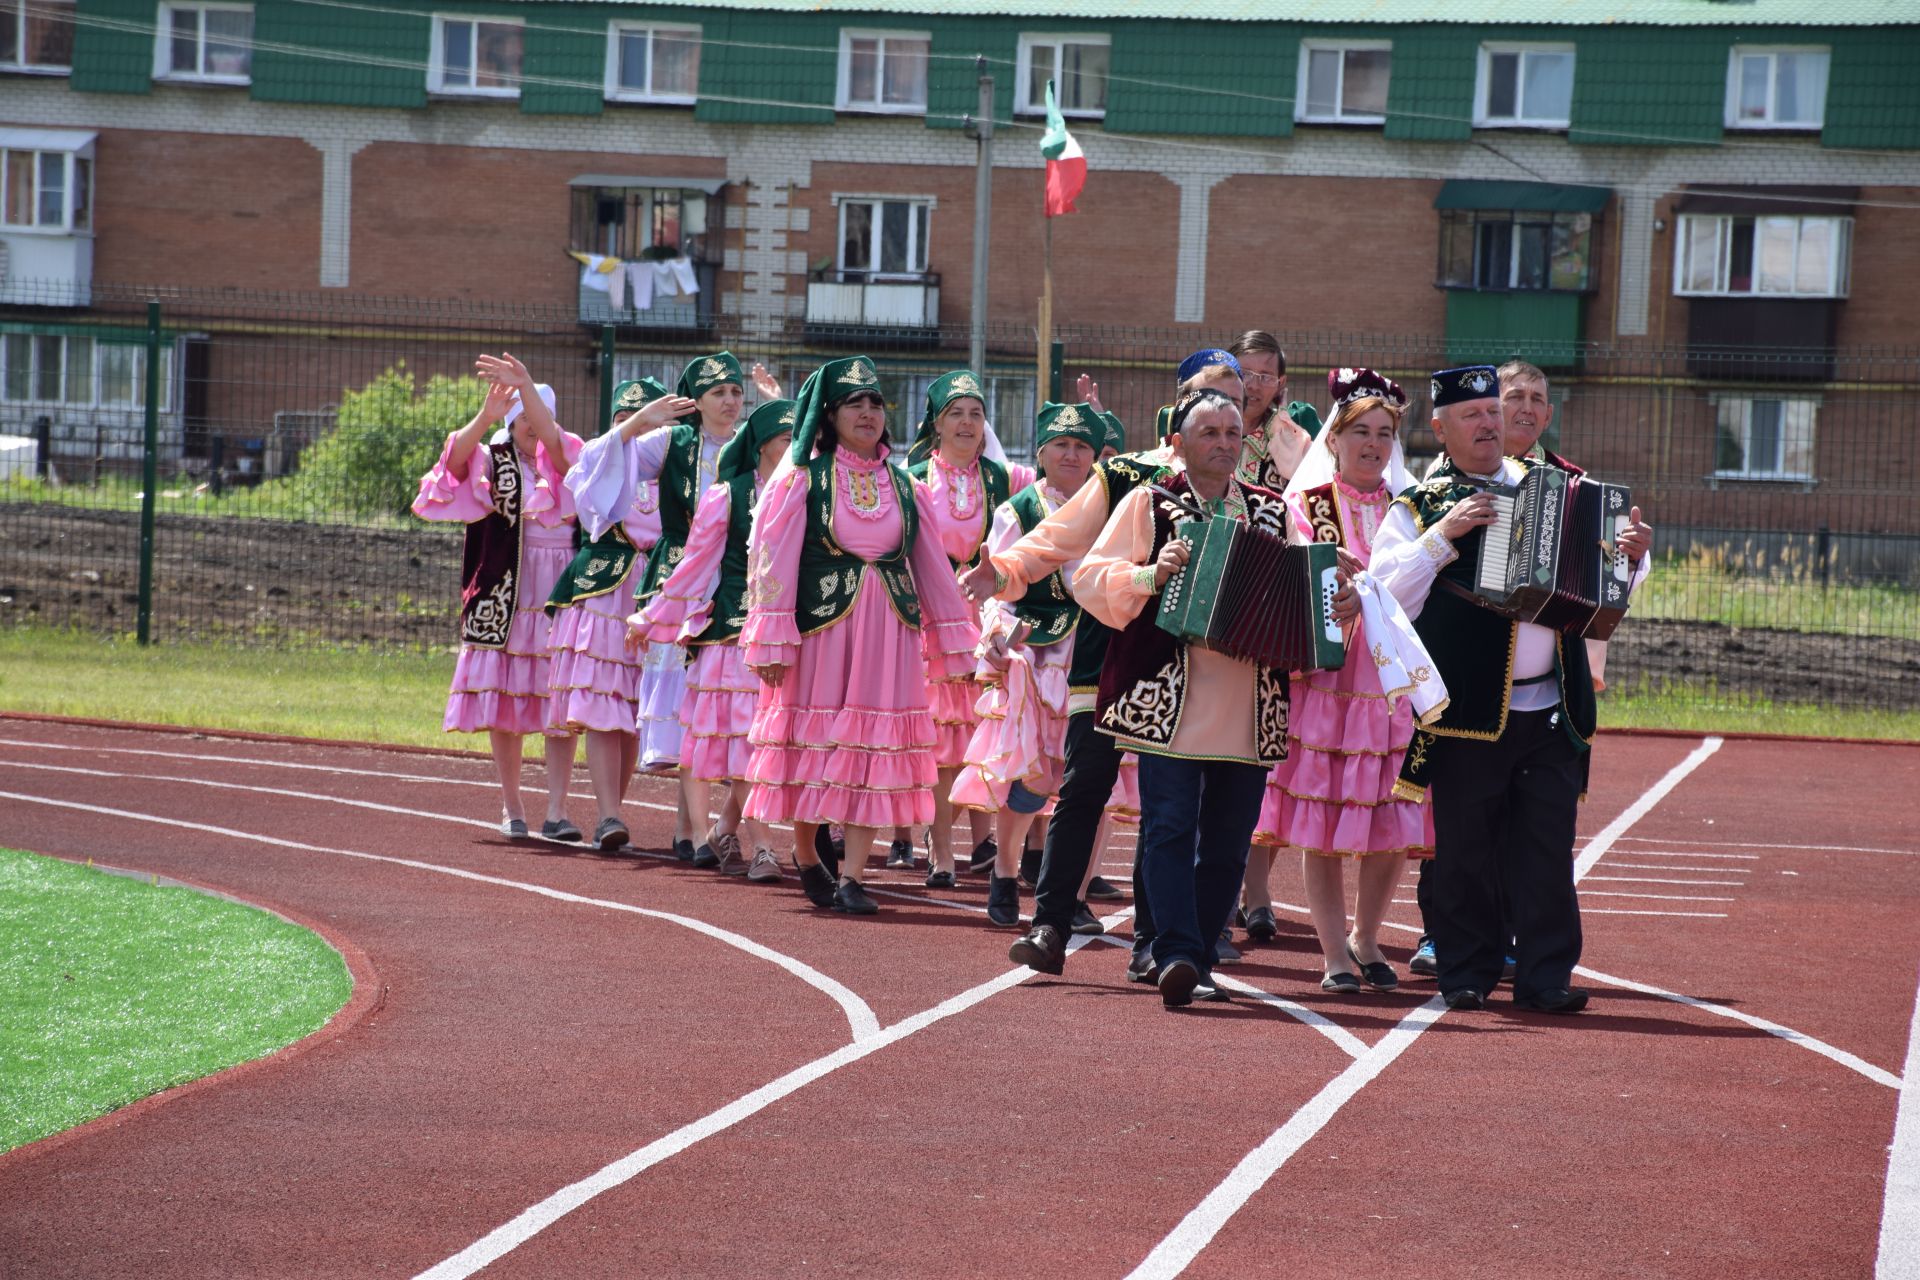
<point x="765" y="868"/>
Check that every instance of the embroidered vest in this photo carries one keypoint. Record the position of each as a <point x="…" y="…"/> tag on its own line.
<point x="679" y="495"/>
<point x="1143" y="687"/>
<point x="597" y="569"/>
<point x="995" y="480"/>
<point x="1117" y="476"/>
<point x="1322" y="507"/>
<point x="1474" y="647"/>
<point x="1047" y="606"/>
<point x="730" y="597"/>
<point x="830" y="575"/>
<point x="490" y="561"/>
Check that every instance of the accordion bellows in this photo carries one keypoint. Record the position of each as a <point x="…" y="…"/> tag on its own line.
<point x="1253" y="596"/>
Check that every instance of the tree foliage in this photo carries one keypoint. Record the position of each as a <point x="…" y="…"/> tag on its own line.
<point x="387" y="435"/>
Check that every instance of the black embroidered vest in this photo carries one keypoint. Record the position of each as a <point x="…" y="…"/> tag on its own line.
<point x="490" y="560"/>
<point x="1117" y="476"/>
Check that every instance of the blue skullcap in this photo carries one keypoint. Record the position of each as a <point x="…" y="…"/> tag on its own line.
<point x="1469" y="382"/>
<point x="1209" y="356"/>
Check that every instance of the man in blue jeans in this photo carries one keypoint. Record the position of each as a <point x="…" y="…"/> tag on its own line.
<point x="1207" y="727"/>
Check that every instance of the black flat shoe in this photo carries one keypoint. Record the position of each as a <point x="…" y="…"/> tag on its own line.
<point x="827" y="849"/>
<point x="1100" y="889"/>
<point x="683" y="850"/>
<point x="1041" y="949"/>
<point x="1030" y="867"/>
<point x="1554" y="1000"/>
<point x="1211" y="994"/>
<point x="1003" y="902"/>
<point x="1344" y="984"/>
<point x="980" y="862"/>
<point x="1261" y="924"/>
<point x="1085" y="923"/>
<point x="1177" y="980"/>
<point x="853" y="900"/>
<point x="1379" y="975"/>
<point x="941" y="880"/>
<point x="817" y="883"/>
<point x="900" y="856"/>
<point x="1465" y="999"/>
<point x="1142" y="969"/>
<point x="704" y="857"/>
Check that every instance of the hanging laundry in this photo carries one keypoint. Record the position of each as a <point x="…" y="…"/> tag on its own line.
<point x="640" y="279"/>
<point x="596" y="272"/>
<point x="683" y="275"/>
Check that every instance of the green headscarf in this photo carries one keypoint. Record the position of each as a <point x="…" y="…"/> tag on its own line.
<point x="1306" y="417"/>
<point x="742" y="453"/>
<point x="1068" y="422"/>
<point x="824" y="388"/>
<point x="704" y="373"/>
<point x="1116" y="434"/>
<point x="948" y="387"/>
<point x="636" y="393"/>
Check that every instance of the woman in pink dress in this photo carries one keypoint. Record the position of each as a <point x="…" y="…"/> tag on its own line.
<point x="701" y="606"/>
<point x="852" y="607"/>
<point x="519" y="517"/>
<point x="1332" y="797"/>
<point x="957" y="456"/>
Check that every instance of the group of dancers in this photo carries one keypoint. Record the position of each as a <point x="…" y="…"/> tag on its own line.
<point x="867" y="637"/>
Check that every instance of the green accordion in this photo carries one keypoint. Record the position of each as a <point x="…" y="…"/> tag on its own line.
<point x="1250" y="595"/>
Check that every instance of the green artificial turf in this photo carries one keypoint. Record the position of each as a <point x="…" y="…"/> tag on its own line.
<point x="114" y="988"/>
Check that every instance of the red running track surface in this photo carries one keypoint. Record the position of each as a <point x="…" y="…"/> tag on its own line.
<point x="516" y="1031"/>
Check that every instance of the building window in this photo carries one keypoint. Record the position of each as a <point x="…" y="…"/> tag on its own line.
<point x="207" y="42"/>
<point x="78" y="371"/>
<point x="883" y="239"/>
<point x="1720" y="255"/>
<point x="1497" y="250"/>
<point x="1077" y="65"/>
<point x="1764" y="438"/>
<point x="884" y="71"/>
<point x="1343" y="83"/>
<point x="1777" y="89"/>
<point x="1525" y="86"/>
<point x="653" y="64"/>
<point x="475" y="56"/>
<point x="36" y="35"/>
<point x="638" y="223"/>
<point x="46" y="191"/>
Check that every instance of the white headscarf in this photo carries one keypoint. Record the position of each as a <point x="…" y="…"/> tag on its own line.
<point x="514" y="409"/>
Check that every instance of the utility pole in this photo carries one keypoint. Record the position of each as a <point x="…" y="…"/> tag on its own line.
<point x="980" y="125"/>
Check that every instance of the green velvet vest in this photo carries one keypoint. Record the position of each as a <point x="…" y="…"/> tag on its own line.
<point x="730" y="597"/>
<point x="1117" y="476"/>
<point x="995" y="479"/>
<point x="1047" y="606"/>
<point x="679" y="481"/>
<point x="830" y="575"/>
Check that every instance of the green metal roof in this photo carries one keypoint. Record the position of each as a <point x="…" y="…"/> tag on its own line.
<point x="1540" y="197"/>
<point x="1665" y="13"/>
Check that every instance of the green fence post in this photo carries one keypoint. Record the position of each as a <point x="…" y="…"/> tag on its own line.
<point x="606" y="379"/>
<point x="149" y="471"/>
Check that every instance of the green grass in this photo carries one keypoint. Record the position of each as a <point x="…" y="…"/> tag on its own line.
<point x="1712" y="587"/>
<point x="1647" y="706"/>
<point x="276" y="499"/>
<point x="112" y="989"/>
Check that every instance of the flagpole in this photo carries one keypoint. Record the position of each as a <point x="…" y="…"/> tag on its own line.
<point x="1044" y="356"/>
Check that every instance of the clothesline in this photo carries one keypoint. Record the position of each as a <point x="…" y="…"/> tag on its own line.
<point x="635" y="284"/>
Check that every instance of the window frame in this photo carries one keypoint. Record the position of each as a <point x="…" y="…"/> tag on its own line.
<point x="1741" y="404"/>
<point x="693" y="244"/>
<point x="1023" y="72"/>
<point x="1772" y="53"/>
<point x="1471" y="222"/>
<point x="1483" y="85"/>
<point x="437" y="54"/>
<point x="1308" y="48"/>
<point x="20" y="15"/>
<point x="843" y="77"/>
<point x="1839" y="262"/>
<point x="614" y="91"/>
<point x="72" y="180"/>
<point x="169" y="365"/>
<point x="163" y="68"/>
<point x="874" y="274"/>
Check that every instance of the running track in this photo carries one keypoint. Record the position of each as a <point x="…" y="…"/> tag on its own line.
<point x="559" y="1063"/>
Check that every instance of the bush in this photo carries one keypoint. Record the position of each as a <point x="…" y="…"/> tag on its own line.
<point x="387" y="435"/>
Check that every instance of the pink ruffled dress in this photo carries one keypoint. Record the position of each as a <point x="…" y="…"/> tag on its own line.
<point x="1333" y="794"/>
<point x="506" y="689"/>
<point x="721" y="694"/>
<point x="594" y="679"/>
<point x="960" y="521"/>
<point x="847" y="736"/>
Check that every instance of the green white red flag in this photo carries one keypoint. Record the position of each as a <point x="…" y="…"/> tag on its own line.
<point x="1066" y="164"/>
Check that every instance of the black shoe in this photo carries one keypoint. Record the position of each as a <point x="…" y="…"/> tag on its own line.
<point x="1041" y="949"/>
<point x="1085" y="923"/>
<point x="1341" y="984"/>
<point x="704" y="857"/>
<point x="1226" y="951"/>
<point x="1099" y="889"/>
<point x="1554" y="1000"/>
<point x="981" y="861"/>
<point x="1142" y="969"/>
<point x="683" y="850"/>
<point x="1211" y="994"/>
<point x="941" y="880"/>
<point x="1177" y="980"/>
<point x="827" y="850"/>
<point x="1379" y="975"/>
<point x="1424" y="963"/>
<point x="1465" y="998"/>
<point x="853" y="900"/>
<point x="817" y="883"/>
<point x="1030" y="867"/>
<point x="900" y="855"/>
<point x="1003" y="901"/>
<point x="1261" y="925"/>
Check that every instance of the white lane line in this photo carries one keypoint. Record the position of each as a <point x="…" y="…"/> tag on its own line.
<point x="510" y="1235"/>
<point x="860" y="1019"/>
<point x="1181" y="1246"/>
<point x="1690" y="853"/>
<point x="1821" y="1047"/>
<point x="1350" y="1044"/>
<point x="1655" y="897"/>
<point x="1899" y="1257"/>
<point x="1749" y="844"/>
<point x="1671" y="870"/>
<point x="1593" y="911"/>
<point x="1659" y="880"/>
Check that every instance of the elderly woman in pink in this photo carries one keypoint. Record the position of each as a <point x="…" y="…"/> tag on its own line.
<point x="957" y="456"/>
<point x="851" y="608"/>
<point x="519" y="517"/>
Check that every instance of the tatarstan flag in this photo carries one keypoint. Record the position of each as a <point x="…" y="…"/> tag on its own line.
<point x="1066" y="165"/>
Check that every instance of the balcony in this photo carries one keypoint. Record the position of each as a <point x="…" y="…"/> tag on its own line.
<point x="1770" y="339"/>
<point x="850" y="306"/>
<point x="663" y="311"/>
<point x="38" y="269"/>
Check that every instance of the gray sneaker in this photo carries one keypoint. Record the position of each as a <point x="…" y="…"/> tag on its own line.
<point x="611" y="834"/>
<point x="765" y="868"/>
<point x="732" y="862"/>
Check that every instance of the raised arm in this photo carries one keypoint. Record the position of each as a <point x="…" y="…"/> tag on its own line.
<point x="1120" y="574"/>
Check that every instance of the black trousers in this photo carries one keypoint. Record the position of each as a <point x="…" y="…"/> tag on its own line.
<point x="1503" y="818"/>
<point x="1092" y="767"/>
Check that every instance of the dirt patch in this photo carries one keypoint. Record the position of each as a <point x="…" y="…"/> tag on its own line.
<point x="294" y="583"/>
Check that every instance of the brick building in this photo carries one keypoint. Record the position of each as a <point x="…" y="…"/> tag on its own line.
<point x="1704" y="217"/>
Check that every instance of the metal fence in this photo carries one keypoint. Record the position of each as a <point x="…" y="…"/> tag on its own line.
<point x="288" y="433"/>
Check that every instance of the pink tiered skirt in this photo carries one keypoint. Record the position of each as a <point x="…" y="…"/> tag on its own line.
<point x="847" y="736"/>
<point x="1020" y="737"/>
<point x="1333" y="794"/>
<point x="595" y="678"/>
<point x="717" y="713"/>
<point x="506" y="689"/>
